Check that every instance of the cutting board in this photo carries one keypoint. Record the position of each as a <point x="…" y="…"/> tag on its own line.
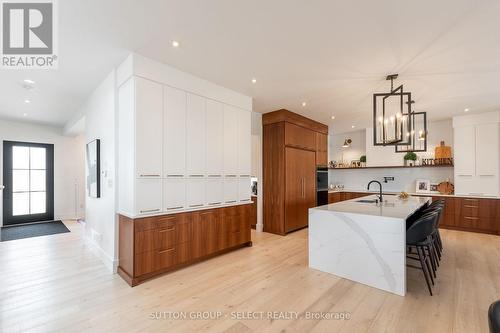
<point x="442" y="151"/>
<point x="446" y="188"/>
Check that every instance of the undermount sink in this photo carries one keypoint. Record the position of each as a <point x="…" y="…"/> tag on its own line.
<point x="367" y="201"/>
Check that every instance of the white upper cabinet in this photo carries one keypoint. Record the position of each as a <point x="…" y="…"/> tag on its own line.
<point x="245" y="189"/>
<point x="195" y="192"/>
<point x="231" y="193"/>
<point x="244" y="143"/>
<point x="174" y="152"/>
<point x="231" y="140"/>
<point x="196" y="135"/>
<point x="215" y="138"/>
<point x="148" y="195"/>
<point x="464" y="150"/>
<point x="174" y="194"/>
<point x="487" y="143"/>
<point x="149" y="128"/>
<point x="215" y="191"/>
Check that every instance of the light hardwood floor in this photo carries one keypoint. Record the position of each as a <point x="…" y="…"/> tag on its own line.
<point x="55" y="283"/>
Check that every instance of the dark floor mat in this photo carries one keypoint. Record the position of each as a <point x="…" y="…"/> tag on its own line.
<point x="32" y="230"/>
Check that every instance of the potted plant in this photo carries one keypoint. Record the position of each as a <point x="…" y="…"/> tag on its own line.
<point x="362" y="159"/>
<point x="410" y="158"/>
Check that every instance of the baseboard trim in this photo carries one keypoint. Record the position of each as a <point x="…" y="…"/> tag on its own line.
<point x="110" y="263"/>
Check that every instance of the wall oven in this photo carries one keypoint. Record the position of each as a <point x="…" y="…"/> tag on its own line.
<point x="321" y="186"/>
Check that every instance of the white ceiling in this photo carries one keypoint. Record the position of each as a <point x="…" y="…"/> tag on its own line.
<point x="332" y="54"/>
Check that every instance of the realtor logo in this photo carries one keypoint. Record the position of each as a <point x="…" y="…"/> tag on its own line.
<point x="28" y="34"/>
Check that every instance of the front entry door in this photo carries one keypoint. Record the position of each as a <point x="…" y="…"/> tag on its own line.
<point x="28" y="176"/>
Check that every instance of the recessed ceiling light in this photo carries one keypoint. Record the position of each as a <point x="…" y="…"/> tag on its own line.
<point x="28" y="81"/>
<point x="304" y="103"/>
<point x="175" y="43"/>
<point x="466" y="110"/>
<point x="333" y="117"/>
<point x="353" y="126"/>
<point x="27" y="101"/>
<point x="254" y="80"/>
<point x="25" y="114"/>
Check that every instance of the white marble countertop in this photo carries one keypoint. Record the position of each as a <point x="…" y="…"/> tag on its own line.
<point x="391" y="207"/>
<point x="417" y="194"/>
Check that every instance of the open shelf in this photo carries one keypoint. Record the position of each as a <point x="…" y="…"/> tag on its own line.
<point x="396" y="167"/>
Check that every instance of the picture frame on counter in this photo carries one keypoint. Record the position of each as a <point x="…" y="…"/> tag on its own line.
<point x="423" y="186"/>
<point x="434" y="188"/>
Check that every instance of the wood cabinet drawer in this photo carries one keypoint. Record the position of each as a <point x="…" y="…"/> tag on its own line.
<point x="300" y="137"/>
<point x="156" y="260"/>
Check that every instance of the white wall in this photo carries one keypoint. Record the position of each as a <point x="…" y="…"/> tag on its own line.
<point x="362" y="143"/>
<point x="404" y="178"/>
<point x="257" y="164"/>
<point x="358" y="146"/>
<point x="100" y="123"/>
<point x="380" y="156"/>
<point x="69" y="185"/>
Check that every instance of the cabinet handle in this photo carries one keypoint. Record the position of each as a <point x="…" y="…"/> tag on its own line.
<point x="471" y="218"/>
<point x="214" y="176"/>
<point x="475" y="200"/>
<point x="150" y="210"/>
<point x="231" y="201"/>
<point x="469" y="206"/>
<point x="230" y="175"/>
<point x="196" y="176"/>
<point x="245" y="176"/>
<point x="201" y="205"/>
<point x="178" y="207"/>
<point x="480" y="194"/>
<point x="214" y="203"/>
<point x="174" y="176"/>
<point x="245" y="200"/>
<point x="487" y="175"/>
<point x="167" y="229"/>
<point x="167" y="250"/>
<point x="149" y="175"/>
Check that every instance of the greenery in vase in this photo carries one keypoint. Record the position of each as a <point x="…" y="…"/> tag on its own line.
<point x="410" y="156"/>
<point x="362" y="159"/>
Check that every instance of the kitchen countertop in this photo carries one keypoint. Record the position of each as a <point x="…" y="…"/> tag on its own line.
<point x="391" y="207"/>
<point x="417" y="194"/>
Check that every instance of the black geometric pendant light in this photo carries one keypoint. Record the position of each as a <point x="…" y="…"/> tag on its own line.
<point x="417" y="134"/>
<point x="391" y="116"/>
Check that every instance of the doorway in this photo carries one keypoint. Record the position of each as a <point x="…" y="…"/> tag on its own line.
<point x="28" y="175"/>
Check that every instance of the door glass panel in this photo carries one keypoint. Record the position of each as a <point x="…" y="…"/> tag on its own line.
<point x="20" y="181"/>
<point x="37" y="180"/>
<point x="20" y="203"/>
<point x="20" y="157"/>
<point x="37" y="202"/>
<point x="37" y="158"/>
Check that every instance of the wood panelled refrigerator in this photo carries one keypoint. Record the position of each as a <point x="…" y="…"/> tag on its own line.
<point x="293" y="147"/>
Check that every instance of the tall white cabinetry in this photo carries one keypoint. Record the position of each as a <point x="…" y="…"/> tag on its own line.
<point x="180" y="151"/>
<point x="477" y="154"/>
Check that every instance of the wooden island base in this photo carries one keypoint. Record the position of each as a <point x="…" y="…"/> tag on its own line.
<point x="152" y="246"/>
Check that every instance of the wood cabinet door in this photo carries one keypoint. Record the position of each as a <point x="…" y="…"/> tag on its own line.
<point x="300" y="137"/>
<point x="205" y="225"/>
<point x="321" y="149"/>
<point x="300" y="188"/>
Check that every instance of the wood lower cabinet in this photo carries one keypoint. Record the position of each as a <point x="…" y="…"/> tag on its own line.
<point x="341" y="196"/>
<point x="472" y="214"/>
<point x="466" y="214"/>
<point x="154" y="245"/>
<point x="253" y="212"/>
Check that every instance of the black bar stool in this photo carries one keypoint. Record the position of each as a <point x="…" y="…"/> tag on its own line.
<point x="494" y="317"/>
<point x="418" y="236"/>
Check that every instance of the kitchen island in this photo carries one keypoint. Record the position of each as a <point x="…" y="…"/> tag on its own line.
<point x="363" y="240"/>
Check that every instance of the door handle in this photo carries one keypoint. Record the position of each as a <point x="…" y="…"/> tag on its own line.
<point x="2" y="187"/>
